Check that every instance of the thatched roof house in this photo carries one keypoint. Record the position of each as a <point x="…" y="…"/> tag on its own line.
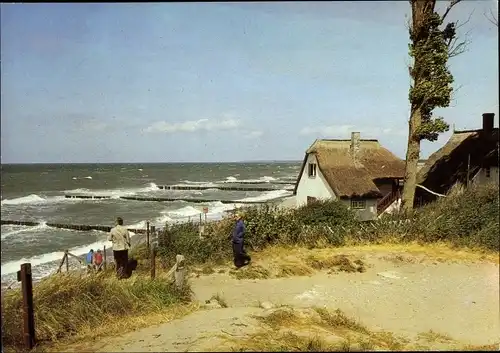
<point x="466" y="154"/>
<point x="348" y="169"/>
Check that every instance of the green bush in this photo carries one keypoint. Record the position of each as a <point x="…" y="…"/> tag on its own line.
<point x="469" y="219"/>
<point x="330" y="212"/>
<point x="324" y="223"/>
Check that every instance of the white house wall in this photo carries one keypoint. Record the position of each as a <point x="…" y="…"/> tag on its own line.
<point x="481" y="178"/>
<point x="367" y="214"/>
<point x="314" y="187"/>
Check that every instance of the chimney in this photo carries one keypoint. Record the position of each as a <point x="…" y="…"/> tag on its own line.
<point x="488" y="121"/>
<point x="355" y="144"/>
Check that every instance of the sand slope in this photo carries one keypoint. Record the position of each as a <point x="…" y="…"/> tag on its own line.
<point x="405" y="295"/>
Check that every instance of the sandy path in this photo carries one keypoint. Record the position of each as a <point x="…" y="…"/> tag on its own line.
<point x="457" y="299"/>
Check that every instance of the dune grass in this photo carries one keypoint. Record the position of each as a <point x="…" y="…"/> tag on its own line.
<point x="313" y="330"/>
<point x="73" y="304"/>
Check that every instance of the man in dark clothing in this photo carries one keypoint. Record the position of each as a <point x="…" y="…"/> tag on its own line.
<point x="241" y="258"/>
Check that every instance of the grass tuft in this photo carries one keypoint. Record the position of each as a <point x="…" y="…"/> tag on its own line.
<point x="338" y="319"/>
<point x="286" y="342"/>
<point x="219" y="299"/>
<point x="69" y="304"/>
<point x="251" y="272"/>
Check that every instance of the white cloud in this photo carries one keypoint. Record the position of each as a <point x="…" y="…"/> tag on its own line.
<point x="95" y="126"/>
<point x="344" y="131"/>
<point x="254" y="134"/>
<point x="192" y="126"/>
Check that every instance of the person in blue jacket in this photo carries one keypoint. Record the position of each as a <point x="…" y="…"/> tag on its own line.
<point x="241" y="258"/>
<point x="90" y="259"/>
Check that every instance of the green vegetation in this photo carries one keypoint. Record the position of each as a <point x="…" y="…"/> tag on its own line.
<point x="465" y="219"/>
<point x="468" y="218"/>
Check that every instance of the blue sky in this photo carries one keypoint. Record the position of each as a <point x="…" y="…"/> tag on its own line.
<point x="164" y="82"/>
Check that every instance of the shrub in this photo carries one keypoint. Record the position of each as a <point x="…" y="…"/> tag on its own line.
<point x="330" y="212"/>
<point x="467" y="218"/>
<point x="319" y="224"/>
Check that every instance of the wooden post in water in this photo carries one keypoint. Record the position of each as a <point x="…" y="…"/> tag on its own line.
<point x="147" y="235"/>
<point x="200" y="219"/>
<point x="67" y="261"/>
<point x="104" y="258"/>
<point x="28" y="316"/>
<point x="153" y="262"/>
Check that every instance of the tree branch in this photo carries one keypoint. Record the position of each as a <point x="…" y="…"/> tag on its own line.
<point x="450" y="6"/>
<point x="492" y="18"/>
<point x="455" y="48"/>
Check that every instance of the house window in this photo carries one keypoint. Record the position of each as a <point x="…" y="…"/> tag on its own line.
<point x="488" y="172"/>
<point x="358" y="204"/>
<point x="312" y="170"/>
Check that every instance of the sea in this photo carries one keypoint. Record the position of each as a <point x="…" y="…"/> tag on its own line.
<point x="36" y="192"/>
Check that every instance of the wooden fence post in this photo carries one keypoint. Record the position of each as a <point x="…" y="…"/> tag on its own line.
<point x="180" y="272"/>
<point x="62" y="262"/>
<point x="153" y="262"/>
<point x="153" y="233"/>
<point x="67" y="261"/>
<point x="104" y="258"/>
<point x="147" y="235"/>
<point x="25" y="276"/>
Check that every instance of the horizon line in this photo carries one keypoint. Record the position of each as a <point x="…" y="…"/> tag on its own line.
<point x="175" y="162"/>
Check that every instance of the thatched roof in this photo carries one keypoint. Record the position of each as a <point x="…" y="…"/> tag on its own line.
<point x="448" y="165"/>
<point x="353" y="176"/>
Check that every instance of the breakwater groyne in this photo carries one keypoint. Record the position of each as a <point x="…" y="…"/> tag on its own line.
<point x="215" y="187"/>
<point x="83" y="227"/>
<point x="170" y="199"/>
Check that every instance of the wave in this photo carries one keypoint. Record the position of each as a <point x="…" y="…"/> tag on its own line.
<point x="157" y="222"/>
<point x="187" y="211"/>
<point x="32" y="199"/>
<point x="264" y="179"/>
<point x="198" y="183"/>
<point x="35" y="199"/>
<point x="114" y="193"/>
<point x="41" y="227"/>
<point x="270" y="195"/>
<point x="13" y="266"/>
<point x="87" y="177"/>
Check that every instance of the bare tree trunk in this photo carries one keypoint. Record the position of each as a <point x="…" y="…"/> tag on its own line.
<point x="412" y="157"/>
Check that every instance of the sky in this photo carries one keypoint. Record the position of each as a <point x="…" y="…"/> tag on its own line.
<point x="218" y="82"/>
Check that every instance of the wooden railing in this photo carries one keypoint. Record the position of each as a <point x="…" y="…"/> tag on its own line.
<point x="387" y="200"/>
